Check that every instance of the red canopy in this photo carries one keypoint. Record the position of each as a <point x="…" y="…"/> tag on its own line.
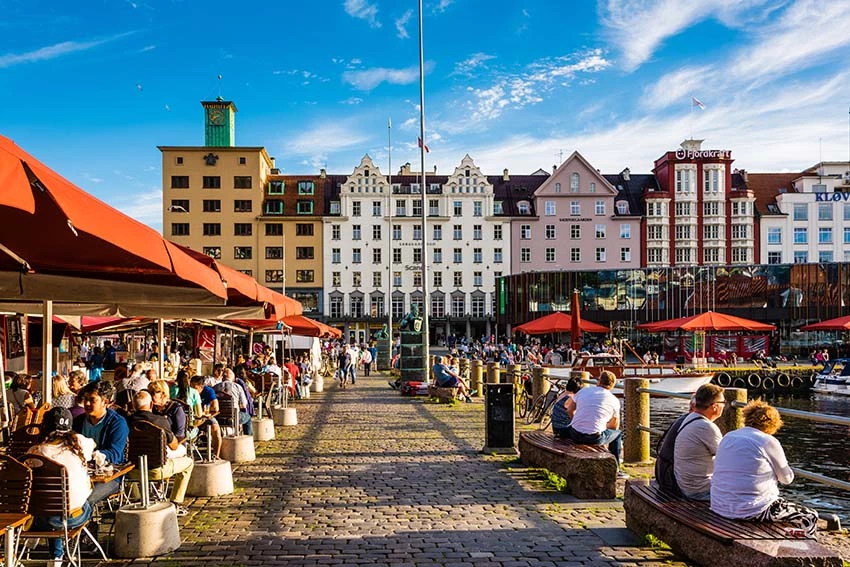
<point x="50" y="226"/>
<point x="558" y="322"/>
<point x="311" y="328"/>
<point x="708" y="321"/>
<point x="837" y="324"/>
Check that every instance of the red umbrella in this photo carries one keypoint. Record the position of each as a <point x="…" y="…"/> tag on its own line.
<point x="837" y="324"/>
<point x="708" y="321"/>
<point x="558" y="322"/>
<point x="575" y="323"/>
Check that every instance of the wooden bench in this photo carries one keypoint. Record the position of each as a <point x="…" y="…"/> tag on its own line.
<point x="443" y="395"/>
<point x="697" y="533"/>
<point x="590" y="470"/>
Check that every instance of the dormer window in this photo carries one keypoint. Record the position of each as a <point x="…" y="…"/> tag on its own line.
<point x="467" y="172"/>
<point x="365" y="173"/>
<point x="523" y="208"/>
<point x="622" y="207"/>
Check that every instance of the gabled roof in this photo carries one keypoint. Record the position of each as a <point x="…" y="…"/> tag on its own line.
<point x="766" y="186"/>
<point x="575" y="156"/>
<point x="632" y="189"/>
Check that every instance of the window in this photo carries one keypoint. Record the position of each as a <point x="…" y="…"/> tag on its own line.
<point x="684" y="181"/>
<point x="818" y="188"/>
<point x="336" y="256"/>
<point x="397" y="232"/>
<point x="477" y="209"/>
<point x="458" y="305"/>
<point x="711" y="255"/>
<point x="824" y="236"/>
<point x="355" y="256"/>
<point x="306" y="188"/>
<point x="274" y="276"/>
<point x="274" y="252"/>
<point x="654" y="255"/>
<point x="356" y="279"/>
<point x="549" y="209"/>
<point x="376" y="255"/>
<point x="549" y="254"/>
<point x="740" y="231"/>
<point x="800" y="236"/>
<point x="600" y="207"/>
<point x="710" y="231"/>
<point x="656" y="232"/>
<point x="458" y="255"/>
<point x="457" y="232"/>
<point x="523" y="208"/>
<point x="417" y="255"/>
<point x="438" y="255"/>
<point x="356" y="208"/>
<point x="801" y="211"/>
<point x="304" y="253"/>
<point x="774" y="235"/>
<point x="274" y="207"/>
<point x="276" y="187"/>
<point x="304" y="207"/>
<point x="179" y="160"/>
<point x="846" y="235"/>
<point x="683" y="209"/>
<point x="497" y="255"/>
<point x="212" y="206"/>
<point x="438" y="279"/>
<point x="417" y="207"/>
<point x="336" y="307"/>
<point x="438" y="305"/>
<point x="622" y="207"/>
<point x="457" y="279"/>
<point x="396" y="281"/>
<point x="242" y="182"/>
<point x="575" y="232"/>
<point x="774" y="257"/>
<point x="242" y="206"/>
<point x="550" y="232"/>
<point x="684" y="255"/>
<point x="600" y="231"/>
<point x="457" y="209"/>
<point x="801" y="256"/>
<point x="525" y="232"/>
<point x="477" y="255"/>
<point x="574" y="182"/>
<point x="242" y="253"/>
<point x="242" y="229"/>
<point x="575" y="254"/>
<point x="180" y="205"/>
<point x="740" y="255"/>
<point x="847" y="211"/>
<point x="711" y="209"/>
<point x="355" y="232"/>
<point x="212" y="229"/>
<point x="625" y="231"/>
<point x="179" y="181"/>
<point x="684" y="232"/>
<point x="625" y="254"/>
<point x="438" y="232"/>
<point x="575" y="208"/>
<point x="433" y="207"/>
<point x="557" y="187"/>
<point x="600" y="254"/>
<point x="212" y="182"/>
<point x="497" y="232"/>
<point x="213" y="252"/>
<point x="243" y="161"/>
<point x="825" y="211"/>
<point x="274" y="229"/>
<point x="476" y="232"/>
<point x="711" y="181"/>
<point x="376" y="208"/>
<point x="417" y="279"/>
<point x="376" y="283"/>
<point x="376" y="232"/>
<point x="355" y="306"/>
<point x="396" y="256"/>
<point x="400" y="208"/>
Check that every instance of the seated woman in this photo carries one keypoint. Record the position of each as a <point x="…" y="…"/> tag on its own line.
<point x="445" y="377"/>
<point x="63" y="397"/>
<point x="748" y="468"/>
<point x="19" y="396"/>
<point x="73" y="451"/>
<point x="560" y="417"/>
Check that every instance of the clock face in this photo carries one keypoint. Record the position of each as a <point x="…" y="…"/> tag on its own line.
<point x="216" y="116"/>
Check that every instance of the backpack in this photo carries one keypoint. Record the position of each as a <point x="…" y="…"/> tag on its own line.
<point x="664" y="472"/>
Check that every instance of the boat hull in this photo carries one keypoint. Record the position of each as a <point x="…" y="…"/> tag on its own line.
<point x="670" y="382"/>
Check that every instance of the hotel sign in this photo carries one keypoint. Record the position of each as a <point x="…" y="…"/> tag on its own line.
<point x="820" y="196"/>
<point x="703" y="154"/>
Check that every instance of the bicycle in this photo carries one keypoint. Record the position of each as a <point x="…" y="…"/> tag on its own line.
<point x="523" y="393"/>
<point x="541" y="410"/>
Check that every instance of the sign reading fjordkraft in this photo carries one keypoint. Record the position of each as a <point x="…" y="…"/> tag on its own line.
<point x="819" y="196"/>
<point x="703" y="154"/>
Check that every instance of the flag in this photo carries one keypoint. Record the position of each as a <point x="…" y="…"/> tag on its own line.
<point x="425" y="146"/>
<point x="696" y="102"/>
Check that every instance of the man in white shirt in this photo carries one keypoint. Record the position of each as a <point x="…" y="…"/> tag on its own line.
<point x="696" y="444"/>
<point x="595" y="414"/>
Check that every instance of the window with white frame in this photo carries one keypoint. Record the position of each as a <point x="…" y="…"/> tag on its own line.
<point x="457" y="279"/>
<point x="376" y="232"/>
<point x="600" y="254"/>
<point x="477" y="255"/>
<point x="355" y="232"/>
<point x="625" y="231"/>
<point x="824" y="235"/>
<point x="400" y="208"/>
<point x="438" y="306"/>
<point x="550" y="208"/>
<point x="550" y="232"/>
<point x="575" y="254"/>
<point x="825" y="211"/>
<point x="684" y="255"/>
<point x="622" y="207"/>
<point x="711" y="232"/>
<point x="477" y="279"/>
<point x="335" y="232"/>
<point x="417" y="232"/>
<point x="417" y="278"/>
<point x="625" y="254"/>
<point x="433" y="207"/>
<point x="376" y="281"/>
<point x="458" y="255"/>
<point x="356" y="279"/>
<point x="497" y="255"/>
<point x="574" y="182"/>
<point x="600" y="231"/>
<point x="523" y="208"/>
<point x="801" y="235"/>
<point x="684" y="181"/>
<point x="396" y="232"/>
<point x="549" y="254"/>
<point x="497" y="232"/>
<point x="846" y="235"/>
<point x="575" y="208"/>
<point x="740" y="231"/>
<point x="740" y="255"/>
<point x="336" y="307"/>
<point x="600" y="207"/>
<point x="336" y="279"/>
<point x="396" y="255"/>
<point x="438" y="255"/>
<point x="376" y="208"/>
<point x="477" y="209"/>
<point x="525" y="232"/>
<point x="654" y="232"/>
<point x="396" y="280"/>
<point x="457" y="209"/>
<point x="497" y="208"/>
<point x="457" y="232"/>
<point x="684" y="232"/>
<point x="477" y="232"/>
<point x="438" y="232"/>
<point x="336" y="256"/>
<point x="525" y="254"/>
<point x="654" y="255"/>
<point x="398" y="306"/>
<point x="575" y="232"/>
<point x="774" y="257"/>
<point x="355" y="255"/>
<point x="557" y="187"/>
<point x="683" y="209"/>
<point x="847" y="211"/>
<point x="376" y="255"/>
<point x="711" y="255"/>
<point x="355" y="208"/>
<point x="711" y="209"/>
<point x="417" y="207"/>
<point x="592" y="187"/>
<point x="801" y="211"/>
<point x="774" y="235"/>
<point x="438" y="278"/>
<point x="801" y="257"/>
<point x="355" y="306"/>
<point x="478" y="306"/>
<point x="825" y="256"/>
<point x="713" y="181"/>
<point x="458" y="305"/>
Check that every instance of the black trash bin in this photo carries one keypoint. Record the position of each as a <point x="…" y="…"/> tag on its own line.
<point x="499" y="419"/>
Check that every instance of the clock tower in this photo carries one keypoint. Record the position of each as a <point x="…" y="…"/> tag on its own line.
<point x="219" y="123"/>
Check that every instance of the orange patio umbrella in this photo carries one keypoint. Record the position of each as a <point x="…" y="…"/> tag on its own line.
<point x="837" y="324"/>
<point x="708" y="321"/>
<point x="558" y="322"/>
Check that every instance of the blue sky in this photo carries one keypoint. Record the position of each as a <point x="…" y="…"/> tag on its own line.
<point x="92" y="87"/>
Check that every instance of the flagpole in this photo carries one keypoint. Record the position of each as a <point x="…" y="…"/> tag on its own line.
<point x="426" y="331"/>
<point x="389" y="302"/>
<point x="692" y="118"/>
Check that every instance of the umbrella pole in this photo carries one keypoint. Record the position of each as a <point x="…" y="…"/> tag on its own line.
<point x="160" y="360"/>
<point x="4" y="412"/>
<point x="47" y="351"/>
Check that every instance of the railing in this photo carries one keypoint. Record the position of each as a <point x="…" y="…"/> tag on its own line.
<point x="637" y="423"/>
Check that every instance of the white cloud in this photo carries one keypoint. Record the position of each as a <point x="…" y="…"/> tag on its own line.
<point x="401" y="22"/>
<point x="145" y="207"/>
<point x="472" y="63"/>
<point x="442" y="5"/>
<point x="363" y="10"/>
<point x="54" y="51"/>
<point x="324" y="138"/>
<point x="368" y="79"/>
<point x="678" y="86"/>
<point x="352" y="100"/>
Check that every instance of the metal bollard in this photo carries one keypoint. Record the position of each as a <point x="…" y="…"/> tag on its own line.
<point x="636" y="441"/>
<point x="143" y="481"/>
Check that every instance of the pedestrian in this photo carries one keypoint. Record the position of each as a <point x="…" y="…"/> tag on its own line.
<point x="366" y="360"/>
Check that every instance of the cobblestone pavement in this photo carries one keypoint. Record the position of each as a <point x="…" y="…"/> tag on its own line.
<point x="368" y="477"/>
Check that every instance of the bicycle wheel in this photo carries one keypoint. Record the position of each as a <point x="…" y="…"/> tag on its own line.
<point x="546" y="418"/>
<point x="536" y="411"/>
<point x="522" y="403"/>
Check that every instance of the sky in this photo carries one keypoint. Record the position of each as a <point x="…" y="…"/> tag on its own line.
<point x="92" y="87"/>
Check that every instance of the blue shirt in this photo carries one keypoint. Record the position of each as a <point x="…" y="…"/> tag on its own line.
<point x="110" y="434"/>
<point x="207" y="396"/>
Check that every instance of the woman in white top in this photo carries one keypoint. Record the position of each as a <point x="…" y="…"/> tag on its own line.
<point x="74" y="452"/>
<point x="748" y="468"/>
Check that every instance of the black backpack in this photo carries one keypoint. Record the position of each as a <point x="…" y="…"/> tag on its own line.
<point x="664" y="474"/>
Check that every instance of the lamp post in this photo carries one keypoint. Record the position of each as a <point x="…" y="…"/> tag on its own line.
<point x="425" y="324"/>
<point x="388" y="303"/>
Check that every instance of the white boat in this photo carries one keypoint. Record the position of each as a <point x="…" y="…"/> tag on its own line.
<point x="664" y="377"/>
<point x="834" y="378"/>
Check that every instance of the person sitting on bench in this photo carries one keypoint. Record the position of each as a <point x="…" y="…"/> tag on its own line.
<point x="445" y="377"/>
<point x="748" y="468"/>
<point x="696" y="443"/>
<point x="595" y="414"/>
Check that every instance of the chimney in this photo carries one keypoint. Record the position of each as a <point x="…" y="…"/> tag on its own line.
<point x="275" y="170"/>
<point x="554" y="168"/>
<point x="627" y="174"/>
<point x="745" y="176"/>
<point x="323" y="173"/>
<point x="435" y="169"/>
<point x="505" y="175"/>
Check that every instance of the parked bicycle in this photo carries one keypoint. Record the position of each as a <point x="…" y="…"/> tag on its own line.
<point x="541" y="409"/>
<point x="523" y="392"/>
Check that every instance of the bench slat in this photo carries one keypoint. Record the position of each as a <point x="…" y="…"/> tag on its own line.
<point x="547" y="441"/>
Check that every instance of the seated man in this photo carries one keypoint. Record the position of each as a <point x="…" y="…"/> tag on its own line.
<point x="209" y="403"/>
<point x="177" y="465"/>
<point x="108" y="429"/>
<point x="445" y="377"/>
<point x="229" y="386"/>
<point x="595" y="414"/>
<point x="696" y="443"/>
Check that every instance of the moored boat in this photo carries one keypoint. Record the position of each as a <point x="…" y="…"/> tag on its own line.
<point x="834" y="378"/>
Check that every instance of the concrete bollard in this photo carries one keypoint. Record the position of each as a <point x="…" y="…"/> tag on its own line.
<point x="214" y="478"/>
<point x="492" y="372"/>
<point x="285" y="416"/>
<point x="475" y="377"/>
<point x="146" y="532"/>
<point x="635" y="440"/>
<point x="319" y="382"/>
<point x="732" y="417"/>
<point x="514" y="373"/>
<point x="263" y="429"/>
<point x="539" y="382"/>
<point x="238" y="449"/>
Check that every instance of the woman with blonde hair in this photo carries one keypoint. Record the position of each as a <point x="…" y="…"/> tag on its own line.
<point x="748" y="468"/>
<point x="63" y="397"/>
